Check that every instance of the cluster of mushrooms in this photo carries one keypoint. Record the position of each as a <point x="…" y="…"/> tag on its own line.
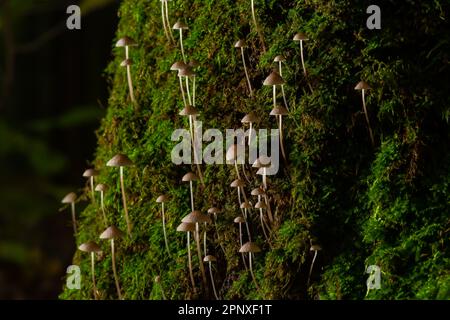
<point x="195" y="223"/>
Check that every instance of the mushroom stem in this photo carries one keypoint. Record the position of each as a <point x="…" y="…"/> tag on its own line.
<point x="193" y="91"/>
<point x="188" y="91"/>
<point x="251" y="270"/>
<point x="130" y="81"/>
<point x="102" y="205"/>
<point x="245" y="173"/>
<point x="124" y="200"/>
<point x="237" y="169"/>
<point x="240" y="244"/>
<point x="212" y="280"/>
<point x="94" y="286"/>
<point x="261" y="38"/>
<point x="167" y="21"/>
<point x="182" y="91"/>
<point x="190" y="259"/>
<point x="74" y="220"/>
<point x="192" y="129"/>
<point x="312" y="265"/>
<point x="250" y="135"/>
<point x="199" y="253"/>
<point x="246" y="73"/>
<point x="204" y="239"/>
<point x="274" y="96"/>
<point x="192" y="195"/>
<point x="246" y="225"/>
<point x="181" y="45"/>
<point x="281" y="136"/>
<point x="164" y="228"/>
<point x="282" y="86"/>
<point x="367" y="117"/>
<point x="264" y="178"/>
<point x="92" y="189"/>
<point x="303" y="66"/>
<point x="164" y="20"/>
<point x="116" y="279"/>
<point x="269" y="209"/>
<point x="263" y="226"/>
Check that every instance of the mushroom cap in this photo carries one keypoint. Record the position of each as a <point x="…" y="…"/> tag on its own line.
<point x="186" y="72"/>
<point x="260" y="171"/>
<point x="279" y="58"/>
<point x="213" y="210"/>
<point x="258" y="192"/>
<point x="196" y="217"/>
<point x="158" y="278"/>
<point x="250" y="247"/>
<point x="119" y="160"/>
<point x="274" y="79"/>
<point x="279" y="111"/>
<point x="190" y="176"/>
<point x="262" y="162"/>
<point x="260" y="205"/>
<point x="90" y="246"/>
<point x="246" y="205"/>
<point x="239" y="219"/>
<point x="362" y="85"/>
<point x="126" y="42"/>
<point x="69" y="198"/>
<point x="188" y="111"/>
<point x="178" y="66"/>
<point x="126" y="62"/>
<point x="90" y="173"/>
<point x="180" y="25"/>
<point x="186" y="227"/>
<point x="249" y="117"/>
<point x="315" y="247"/>
<point x="240" y="44"/>
<point x="111" y="233"/>
<point x="232" y="152"/>
<point x="162" y="198"/>
<point x="237" y="183"/>
<point x="300" y="36"/>
<point x="209" y="258"/>
<point x="101" y="187"/>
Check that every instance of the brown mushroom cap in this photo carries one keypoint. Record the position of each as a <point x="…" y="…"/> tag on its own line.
<point x="246" y="205"/>
<point x="178" y="66"/>
<point x="119" y="160"/>
<point x="90" y="173"/>
<point x="262" y="162"/>
<point x="90" y="246"/>
<point x="213" y="210"/>
<point x="111" y="233"/>
<point x="69" y="198"/>
<point x="250" y="247"/>
<point x="196" y="217"/>
<point x="240" y="44"/>
<point x="279" y="111"/>
<point x="101" y="187"/>
<point x="362" y="85"/>
<point x="239" y="219"/>
<point x="274" y="79"/>
<point x="126" y="62"/>
<point x="162" y="198"/>
<point x="260" y="205"/>
<point x="258" y="192"/>
<point x="186" y="227"/>
<point x="188" y="111"/>
<point x="209" y="258"/>
<point x="237" y="183"/>
<point x="190" y="176"/>
<point x="300" y="36"/>
<point x="315" y="247"/>
<point x="180" y="26"/>
<point x="126" y="41"/>
<point x="279" y="58"/>
<point x="250" y="117"/>
<point x="186" y="72"/>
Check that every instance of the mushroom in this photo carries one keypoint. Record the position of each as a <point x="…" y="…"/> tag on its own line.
<point x="279" y="112"/>
<point x="91" y="247"/>
<point x="303" y="37"/>
<point x="249" y="118"/>
<point x="241" y="45"/>
<point x="158" y="281"/>
<point x="161" y="199"/>
<point x="197" y="217"/>
<point x="274" y="80"/>
<point x="102" y="189"/>
<point x="263" y="162"/>
<point x="262" y="205"/>
<point x="246" y="206"/>
<point x="279" y="59"/>
<point x="363" y="86"/>
<point x="110" y="234"/>
<point x="189" y="177"/>
<point x="251" y="248"/>
<point x="314" y="248"/>
<point x="210" y="259"/>
<point x="240" y="220"/>
<point x="177" y="66"/>
<point x="70" y="198"/>
<point x="187" y="73"/>
<point x="188" y="228"/>
<point x="127" y="42"/>
<point x="91" y="173"/>
<point x="121" y="161"/>
<point x="181" y="26"/>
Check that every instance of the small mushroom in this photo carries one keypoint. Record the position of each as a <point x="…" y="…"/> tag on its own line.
<point x="121" y="161"/>
<point x="246" y="206"/>
<point x="251" y="248"/>
<point x="70" y="198"/>
<point x="274" y="80"/>
<point x="128" y="42"/>
<point x="177" y="66"/>
<point x="110" y="234"/>
<point x="188" y="228"/>
<point x="102" y="189"/>
<point x="249" y="118"/>
<point x="262" y="205"/>
<point x="181" y="26"/>
<point x="259" y="192"/>
<point x="240" y="220"/>
<point x="262" y="163"/>
<point x="158" y="281"/>
<point x="190" y="177"/>
<point x="314" y="248"/>
<point x="91" y="173"/>
<point x="210" y="259"/>
<point x="279" y="59"/>
<point x="92" y="248"/>
<point x="301" y="37"/>
<point x="363" y="86"/>
<point x="279" y="112"/>
<point x="241" y="45"/>
<point x="187" y="73"/>
<point x="161" y="199"/>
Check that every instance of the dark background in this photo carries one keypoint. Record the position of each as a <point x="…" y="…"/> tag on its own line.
<point x="53" y="94"/>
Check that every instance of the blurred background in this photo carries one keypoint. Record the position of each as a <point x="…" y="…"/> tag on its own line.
<point x="53" y="94"/>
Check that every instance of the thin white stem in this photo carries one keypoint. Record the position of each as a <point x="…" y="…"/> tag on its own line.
<point x="269" y="210"/>
<point x="168" y="22"/>
<point x="251" y="271"/>
<point x="250" y="136"/>
<point x="212" y="281"/>
<point x="247" y="226"/>
<point x="192" y="195"/>
<point x="164" y="20"/>
<point x="102" y="204"/>
<point x="245" y="173"/>
<point x="281" y="136"/>
<point x="194" y="147"/>
<point x="204" y="240"/>
<point x="246" y="73"/>
<point x="261" y="38"/>
<point x="182" y="91"/>
<point x="274" y="96"/>
<point x="116" y="278"/>
<point x="303" y="60"/>
<point x="94" y="286"/>
<point x="237" y="169"/>
<point x="124" y="200"/>
<point x="190" y="260"/>
<point x="188" y="91"/>
<point x="92" y="190"/>
<point x="282" y="86"/>
<point x="130" y="81"/>
<point x="164" y="228"/>
<point x="264" y="179"/>
<point x="312" y="265"/>
<point x="193" y="91"/>
<point x="199" y="253"/>
<point x="181" y="44"/>
<point x="367" y="118"/>
<point x="74" y="219"/>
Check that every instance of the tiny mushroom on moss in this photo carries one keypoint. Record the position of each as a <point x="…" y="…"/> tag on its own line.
<point x="188" y="228"/>
<point x="241" y="45"/>
<point x="180" y="26"/>
<point x="102" y="188"/>
<point x="315" y="248"/>
<point x="91" y="174"/>
<point x="110" y="234"/>
<point x="251" y="248"/>
<point x="92" y="248"/>
<point x="161" y="199"/>
<point x="127" y="42"/>
<point x="210" y="259"/>
<point x="279" y="112"/>
<point x="70" y="198"/>
<point x="363" y="87"/>
<point x="279" y="59"/>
